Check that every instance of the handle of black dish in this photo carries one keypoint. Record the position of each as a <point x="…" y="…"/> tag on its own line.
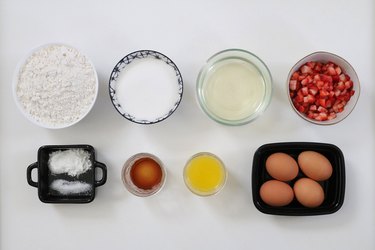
<point x="29" y="170"/>
<point x="104" y="174"/>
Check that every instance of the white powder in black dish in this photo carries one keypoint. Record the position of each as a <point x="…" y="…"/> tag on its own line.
<point x="65" y="187"/>
<point x="72" y="162"/>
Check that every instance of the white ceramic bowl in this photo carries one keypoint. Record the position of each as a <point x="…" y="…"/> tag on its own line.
<point x="146" y="87"/>
<point x="33" y="114"/>
<point x="325" y="57"/>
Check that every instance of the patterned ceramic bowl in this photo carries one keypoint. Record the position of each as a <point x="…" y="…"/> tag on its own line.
<point x="145" y="87"/>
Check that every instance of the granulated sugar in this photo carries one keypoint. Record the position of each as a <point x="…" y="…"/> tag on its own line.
<point x="57" y="85"/>
<point x="70" y="187"/>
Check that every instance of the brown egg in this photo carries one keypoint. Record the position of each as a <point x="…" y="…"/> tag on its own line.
<point x="308" y="192"/>
<point x="276" y="193"/>
<point x="282" y="167"/>
<point x="315" y="165"/>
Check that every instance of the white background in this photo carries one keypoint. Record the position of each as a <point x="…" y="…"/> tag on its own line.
<point x="279" y="32"/>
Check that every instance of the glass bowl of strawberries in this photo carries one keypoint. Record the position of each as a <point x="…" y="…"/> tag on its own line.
<point x="323" y="88"/>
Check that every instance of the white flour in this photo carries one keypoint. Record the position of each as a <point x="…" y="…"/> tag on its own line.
<point x="56" y="85"/>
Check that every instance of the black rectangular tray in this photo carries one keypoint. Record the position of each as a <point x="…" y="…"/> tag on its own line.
<point x="334" y="187"/>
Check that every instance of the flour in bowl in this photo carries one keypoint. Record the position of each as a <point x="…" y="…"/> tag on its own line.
<point x="56" y="86"/>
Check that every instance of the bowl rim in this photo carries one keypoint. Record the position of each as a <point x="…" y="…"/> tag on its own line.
<point x="335" y="120"/>
<point x="142" y="54"/>
<point x="15" y="78"/>
<point x="248" y="57"/>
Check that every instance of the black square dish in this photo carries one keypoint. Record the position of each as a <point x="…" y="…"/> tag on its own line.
<point x="334" y="187"/>
<point x="46" y="177"/>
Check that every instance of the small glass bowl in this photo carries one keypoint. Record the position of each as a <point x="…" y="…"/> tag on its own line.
<point x="240" y="77"/>
<point x="214" y="190"/>
<point x="324" y="57"/>
<point x="126" y="177"/>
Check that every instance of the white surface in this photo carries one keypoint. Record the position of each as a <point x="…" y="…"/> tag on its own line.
<point x="189" y="32"/>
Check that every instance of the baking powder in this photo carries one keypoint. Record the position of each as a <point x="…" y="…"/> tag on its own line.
<point x="72" y="162"/>
<point x="57" y="85"/>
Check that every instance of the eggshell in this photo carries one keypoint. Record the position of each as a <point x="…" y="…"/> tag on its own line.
<point x="308" y="192"/>
<point x="315" y="165"/>
<point x="276" y="193"/>
<point x="282" y="167"/>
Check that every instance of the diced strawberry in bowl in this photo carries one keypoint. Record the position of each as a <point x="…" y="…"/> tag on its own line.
<point x="323" y="88"/>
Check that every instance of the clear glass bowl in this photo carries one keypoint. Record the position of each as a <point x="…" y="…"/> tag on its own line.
<point x="324" y="57"/>
<point x="234" y="87"/>
<point x="127" y="180"/>
<point x="205" y="174"/>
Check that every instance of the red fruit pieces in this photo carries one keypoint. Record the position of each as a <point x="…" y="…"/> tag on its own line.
<point x="320" y="90"/>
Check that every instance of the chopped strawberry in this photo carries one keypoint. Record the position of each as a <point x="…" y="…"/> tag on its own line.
<point x="331" y="116"/>
<point x="340" y="86"/>
<point x="326" y="78"/>
<point x="301" y="77"/>
<point x="321" y="102"/>
<point x="306" y="69"/>
<point x="295" y="76"/>
<point x="301" y="109"/>
<point x="311" y="64"/>
<point x="305" y="91"/>
<point x="322" y="117"/>
<point x="338" y="70"/>
<point x="322" y="110"/>
<point x="313" y="108"/>
<point x="320" y="90"/>
<point x="309" y="99"/>
<point x="348" y="84"/>
<point x="323" y="93"/>
<point x="313" y="90"/>
<point x="342" y="77"/>
<point x="335" y="79"/>
<point x="331" y="71"/>
<point x="293" y="84"/>
<point x="317" y="77"/>
<point x="329" y="103"/>
<point x="320" y="84"/>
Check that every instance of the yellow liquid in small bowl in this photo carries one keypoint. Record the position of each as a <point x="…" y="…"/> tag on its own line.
<point x="205" y="174"/>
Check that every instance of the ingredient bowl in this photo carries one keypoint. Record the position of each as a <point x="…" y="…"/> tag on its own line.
<point x="143" y="174"/>
<point x="234" y="87"/>
<point x="205" y="174"/>
<point x="61" y="176"/>
<point x="333" y="188"/>
<point x="55" y="86"/>
<point x="323" y="88"/>
<point x="145" y="87"/>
